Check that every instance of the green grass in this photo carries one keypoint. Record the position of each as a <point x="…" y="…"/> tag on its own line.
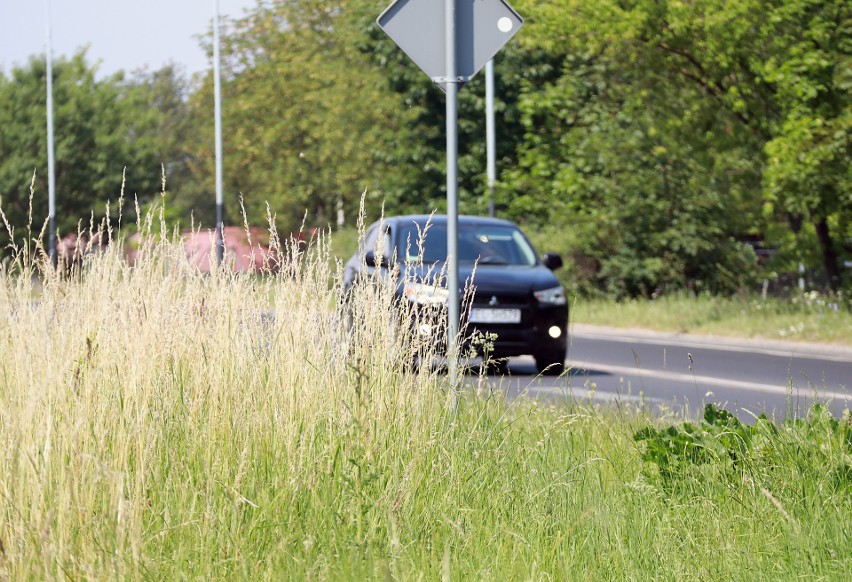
<point x="344" y="243"/>
<point x="154" y="426"/>
<point x="810" y="317"/>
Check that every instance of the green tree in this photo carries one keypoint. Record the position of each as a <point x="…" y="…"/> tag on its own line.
<point x="809" y="174"/>
<point x="751" y="96"/>
<point x="159" y="101"/>
<point x="645" y="205"/>
<point x="102" y="130"/>
<point x="305" y="117"/>
<point x="652" y="185"/>
<point x="781" y="69"/>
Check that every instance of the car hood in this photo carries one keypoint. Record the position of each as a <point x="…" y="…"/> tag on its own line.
<point x="503" y="279"/>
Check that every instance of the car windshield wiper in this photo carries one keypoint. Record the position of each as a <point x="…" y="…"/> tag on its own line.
<point x="492" y="261"/>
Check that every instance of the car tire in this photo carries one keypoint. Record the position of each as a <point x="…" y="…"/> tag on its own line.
<point x="550" y="363"/>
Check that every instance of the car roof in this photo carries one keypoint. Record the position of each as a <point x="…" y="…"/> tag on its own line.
<point x="442" y="219"/>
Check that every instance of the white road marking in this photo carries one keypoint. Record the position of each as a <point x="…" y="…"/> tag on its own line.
<point x="693" y="380"/>
<point x="593" y="394"/>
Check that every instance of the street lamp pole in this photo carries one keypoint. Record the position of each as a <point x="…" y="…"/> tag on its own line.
<point x="217" y="90"/>
<point x="51" y="175"/>
<point x="490" y="134"/>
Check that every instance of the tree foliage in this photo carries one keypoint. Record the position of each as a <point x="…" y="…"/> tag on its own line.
<point x="750" y="97"/>
<point x="108" y="133"/>
<point x="306" y="119"/>
<point x="659" y="140"/>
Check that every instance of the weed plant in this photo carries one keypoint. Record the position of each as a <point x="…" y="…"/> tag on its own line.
<point x="162" y="423"/>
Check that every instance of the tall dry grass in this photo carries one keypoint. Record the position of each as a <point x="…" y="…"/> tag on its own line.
<point x="161" y="423"/>
<point x="145" y="403"/>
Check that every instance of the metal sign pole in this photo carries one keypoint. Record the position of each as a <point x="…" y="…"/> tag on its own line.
<point x="452" y="200"/>
<point x="490" y="134"/>
<point x="217" y="90"/>
<point x="51" y="175"/>
<point x="484" y="26"/>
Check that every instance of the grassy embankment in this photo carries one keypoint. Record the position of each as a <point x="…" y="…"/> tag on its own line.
<point x="156" y="426"/>
<point x="809" y="317"/>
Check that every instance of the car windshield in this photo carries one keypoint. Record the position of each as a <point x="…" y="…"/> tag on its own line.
<point x="487" y="244"/>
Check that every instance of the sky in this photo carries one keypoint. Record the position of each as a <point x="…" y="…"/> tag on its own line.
<point x="121" y="34"/>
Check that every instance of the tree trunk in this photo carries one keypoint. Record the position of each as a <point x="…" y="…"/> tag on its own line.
<point x="830" y="259"/>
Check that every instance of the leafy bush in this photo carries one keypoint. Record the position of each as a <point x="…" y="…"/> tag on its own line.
<point x="819" y="444"/>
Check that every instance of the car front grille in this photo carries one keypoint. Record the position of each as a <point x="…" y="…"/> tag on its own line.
<point x="500" y="300"/>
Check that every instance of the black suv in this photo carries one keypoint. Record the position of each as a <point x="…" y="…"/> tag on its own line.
<point x="516" y="297"/>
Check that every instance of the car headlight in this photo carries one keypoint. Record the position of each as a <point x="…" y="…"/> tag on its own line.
<point x="552" y="296"/>
<point x="423" y="294"/>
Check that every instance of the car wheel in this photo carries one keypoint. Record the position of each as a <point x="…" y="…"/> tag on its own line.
<point x="550" y="363"/>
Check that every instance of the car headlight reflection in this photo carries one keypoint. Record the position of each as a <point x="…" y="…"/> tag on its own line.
<point x="552" y="296"/>
<point x="423" y="294"/>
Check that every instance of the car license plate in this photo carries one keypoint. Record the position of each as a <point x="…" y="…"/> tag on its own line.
<point x="495" y="315"/>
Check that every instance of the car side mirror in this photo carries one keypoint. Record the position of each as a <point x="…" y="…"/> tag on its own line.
<point x="552" y="261"/>
<point x="370" y="260"/>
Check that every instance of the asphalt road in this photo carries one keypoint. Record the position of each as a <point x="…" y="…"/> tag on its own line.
<point x="683" y="372"/>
